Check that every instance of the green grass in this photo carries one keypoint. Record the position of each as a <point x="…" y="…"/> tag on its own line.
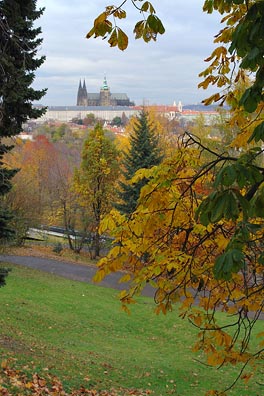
<point x="79" y="333"/>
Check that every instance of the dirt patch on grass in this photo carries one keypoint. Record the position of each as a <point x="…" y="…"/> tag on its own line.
<point x="12" y="345"/>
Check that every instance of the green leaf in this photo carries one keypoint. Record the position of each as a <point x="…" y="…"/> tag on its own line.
<point x="258" y="133"/>
<point x="257" y="203"/>
<point x="221" y="204"/>
<point x="202" y="212"/>
<point x="253" y="53"/>
<point x="222" y="267"/>
<point x="230" y="262"/>
<point x="204" y="218"/>
<point x="218" y="210"/>
<point x="161" y="28"/>
<point x="232" y="209"/>
<point x="244" y="203"/>
<point x="261" y="259"/>
<point x="155" y="24"/>
<point x="249" y="101"/>
<point x="226" y="176"/>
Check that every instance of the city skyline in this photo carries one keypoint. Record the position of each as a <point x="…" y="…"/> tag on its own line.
<point x="159" y="72"/>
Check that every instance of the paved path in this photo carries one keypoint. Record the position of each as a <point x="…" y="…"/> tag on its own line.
<point x="66" y="269"/>
<point x="77" y="272"/>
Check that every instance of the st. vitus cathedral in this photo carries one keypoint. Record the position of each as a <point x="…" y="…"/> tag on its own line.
<point x="103" y="98"/>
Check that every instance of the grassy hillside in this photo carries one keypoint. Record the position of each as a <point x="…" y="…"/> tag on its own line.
<point x="78" y="332"/>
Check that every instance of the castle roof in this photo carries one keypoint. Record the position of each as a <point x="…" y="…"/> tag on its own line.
<point x="118" y="96"/>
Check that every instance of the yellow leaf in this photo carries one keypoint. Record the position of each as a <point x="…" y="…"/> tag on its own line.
<point x="122" y="40"/>
<point x="126" y="309"/>
<point x="113" y="39"/>
<point x="125" y="278"/>
<point x="214" y="359"/>
<point x="29" y="385"/>
<point x="161" y="308"/>
<point x="123" y="294"/>
<point x="4" y="364"/>
<point x="197" y="320"/>
<point x="101" y="18"/>
<point x="99" y="276"/>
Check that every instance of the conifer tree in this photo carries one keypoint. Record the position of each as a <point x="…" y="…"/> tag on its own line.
<point x="19" y="42"/>
<point x="144" y="152"/>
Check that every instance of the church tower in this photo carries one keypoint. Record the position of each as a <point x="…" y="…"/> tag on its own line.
<point x="105" y="95"/>
<point x="82" y="96"/>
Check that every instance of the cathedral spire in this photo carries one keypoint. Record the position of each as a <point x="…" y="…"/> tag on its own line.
<point x="79" y="94"/>
<point x="104" y="86"/>
<point x="82" y="96"/>
<point x="84" y="89"/>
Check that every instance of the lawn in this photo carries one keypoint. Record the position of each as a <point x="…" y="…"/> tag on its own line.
<point x="79" y="333"/>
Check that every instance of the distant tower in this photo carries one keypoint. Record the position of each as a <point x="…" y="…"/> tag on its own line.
<point x="79" y="94"/>
<point x="180" y="106"/>
<point x="105" y="95"/>
<point x="82" y="96"/>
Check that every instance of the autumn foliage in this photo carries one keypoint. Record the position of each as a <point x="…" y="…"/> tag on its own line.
<point x="16" y="382"/>
<point x="196" y="234"/>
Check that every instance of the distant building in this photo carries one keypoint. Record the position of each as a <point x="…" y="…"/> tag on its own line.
<point x="67" y="113"/>
<point x="103" y="98"/>
<point x="25" y="136"/>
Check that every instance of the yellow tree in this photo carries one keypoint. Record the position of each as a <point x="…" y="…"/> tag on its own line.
<point x="197" y="232"/>
<point x="29" y="195"/>
<point x="41" y="192"/>
<point x="190" y="250"/>
<point x="95" y="181"/>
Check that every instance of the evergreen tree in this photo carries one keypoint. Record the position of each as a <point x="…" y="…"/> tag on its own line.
<point x="18" y="49"/>
<point x="144" y="152"/>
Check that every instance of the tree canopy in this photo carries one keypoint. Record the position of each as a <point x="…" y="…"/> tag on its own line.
<point x="19" y="42"/>
<point x="95" y="180"/>
<point x="197" y="233"/>
<point x="144" y="152"/>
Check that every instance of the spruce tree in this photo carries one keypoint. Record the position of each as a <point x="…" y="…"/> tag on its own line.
<point x="144" y="152"/>
<point x="19" y="42"/>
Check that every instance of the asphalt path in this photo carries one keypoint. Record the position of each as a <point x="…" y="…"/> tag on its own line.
<point x="76" y="272"/>
<point x="66" y="269"/>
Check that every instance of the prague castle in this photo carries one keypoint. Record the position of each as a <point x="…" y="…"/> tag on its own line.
<point x="106" y="106"/>
<point x="103" y="98"/>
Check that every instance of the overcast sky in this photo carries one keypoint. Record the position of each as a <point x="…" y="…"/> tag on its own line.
<point x="159" y="72"/>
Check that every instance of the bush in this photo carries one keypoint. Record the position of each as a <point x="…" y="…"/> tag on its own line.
<point x="58" y="248"/>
